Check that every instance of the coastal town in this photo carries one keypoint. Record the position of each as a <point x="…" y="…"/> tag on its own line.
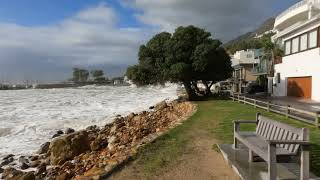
<point x="190" y="107"/>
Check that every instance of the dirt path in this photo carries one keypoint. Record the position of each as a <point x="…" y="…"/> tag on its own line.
<point x="200" y="161"/>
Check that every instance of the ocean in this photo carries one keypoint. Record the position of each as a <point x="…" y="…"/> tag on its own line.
<point x="29" y="118"/>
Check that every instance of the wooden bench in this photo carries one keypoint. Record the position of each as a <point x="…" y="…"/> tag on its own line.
<point x="272" y="139"/>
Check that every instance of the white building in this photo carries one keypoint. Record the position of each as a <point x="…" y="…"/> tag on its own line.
<point x="297" y="31"/>
<point x="243" y="63"/>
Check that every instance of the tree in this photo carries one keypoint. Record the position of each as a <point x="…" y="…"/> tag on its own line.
<point x="80" y="75"/>
<point x="98" y="75"/>
<point x="189" y="56"/>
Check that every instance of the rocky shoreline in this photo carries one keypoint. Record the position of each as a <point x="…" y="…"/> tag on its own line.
<point x="95" y="152"/>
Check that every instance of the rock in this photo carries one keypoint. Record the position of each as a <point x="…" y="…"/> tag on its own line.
<point x="7" y="161"/>
<point x="28" y="176"/>
<point x="33" y="158"/>
<point x="56" y="135"/>
<point x="113" y="129"/>
<point x="151" y="107"/>
<point x="59" y="132"/>
<point x="22" y="160"/>
<point x="94" y="172"/>
<point x="11" y="173"/>
<point x="44" y="148"/>
<point x="1" y="170"/>
<point x="8" y="156"/>
<point x="35" y="163"/>
<point x="63" y="176"/>
<point x="41" y="169"/>
<point x="131" y="115"/>
<point x="66" y="147"/>
<point x="69" y="130"/>
<point x="112" y="139"/>
<point x="161" y="106"/>
<point x="92" y="128"/>
<point x="24" y="166"/>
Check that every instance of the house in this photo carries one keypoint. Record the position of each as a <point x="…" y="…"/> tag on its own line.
<point x="243" y="63"/>
<point x="298" y="32"/>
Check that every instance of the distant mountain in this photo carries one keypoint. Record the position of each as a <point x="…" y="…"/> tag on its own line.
<point x="264" y="27"/>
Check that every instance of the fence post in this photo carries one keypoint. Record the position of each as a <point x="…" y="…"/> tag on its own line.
<point x="238" y="98"/>
<point x="317" y="119"/>
<point x="268" y="106"/>
<point x="287" y="111"/>
<point x="255" y="103"/>
<point x="244" y="99"/>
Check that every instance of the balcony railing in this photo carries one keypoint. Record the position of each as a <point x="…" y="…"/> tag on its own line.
<point x="295" y="6"/>
<point x="261" y="68"/>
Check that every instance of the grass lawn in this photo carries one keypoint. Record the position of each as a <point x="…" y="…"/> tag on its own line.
<point x="214" y="120"/>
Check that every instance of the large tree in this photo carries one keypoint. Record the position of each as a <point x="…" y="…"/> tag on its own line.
<point x="80" y="75"/>
<point x="98" y="75"/>
<point x="190" y="55"/>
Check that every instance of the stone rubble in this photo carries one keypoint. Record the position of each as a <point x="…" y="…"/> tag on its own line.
<point x="95" y="152"/>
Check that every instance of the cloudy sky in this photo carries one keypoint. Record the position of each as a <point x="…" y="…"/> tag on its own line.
<point x="43" y="39"/>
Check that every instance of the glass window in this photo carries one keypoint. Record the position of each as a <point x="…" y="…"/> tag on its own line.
<point x="313" y="37"/>
<point x="295" y="45"/>
<point x="288" y="47"/>
<point x="304" y="42"/>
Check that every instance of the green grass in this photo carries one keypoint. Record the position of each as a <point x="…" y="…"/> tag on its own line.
<point x="214" y="119"/>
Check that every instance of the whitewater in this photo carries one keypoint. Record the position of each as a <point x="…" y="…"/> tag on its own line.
<point x="29" y="118"/>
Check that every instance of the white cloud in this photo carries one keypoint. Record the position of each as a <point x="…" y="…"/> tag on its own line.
<point x="89" y="38"/>
<point x="224" y="18"/>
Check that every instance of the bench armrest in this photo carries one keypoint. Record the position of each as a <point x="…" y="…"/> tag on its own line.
<point x="245" y="122"/>
<point x="301" y="142"/>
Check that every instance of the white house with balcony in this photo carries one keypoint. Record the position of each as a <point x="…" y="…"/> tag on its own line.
<point x="243" y="63"/>
<point x="298" y="32"/>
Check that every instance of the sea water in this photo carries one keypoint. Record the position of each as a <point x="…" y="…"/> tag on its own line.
<point x="29" y="118"/>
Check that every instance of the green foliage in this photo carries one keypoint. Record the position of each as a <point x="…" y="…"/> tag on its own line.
<point x="98" y="75"/>
<point x="188" y="55"/>
<point x="80" y="75"/>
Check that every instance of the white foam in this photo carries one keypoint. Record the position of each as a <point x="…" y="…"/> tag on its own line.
<point x="33" y="116"/>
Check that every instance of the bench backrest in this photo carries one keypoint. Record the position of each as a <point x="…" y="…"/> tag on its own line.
<point x="274" y="130"/>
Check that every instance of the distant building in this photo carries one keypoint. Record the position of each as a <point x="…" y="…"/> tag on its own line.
<point x="297" y="29"/>
<point x="243" y="63"/>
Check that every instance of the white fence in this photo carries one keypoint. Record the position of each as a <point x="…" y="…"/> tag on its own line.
<point x="295" y="113"/>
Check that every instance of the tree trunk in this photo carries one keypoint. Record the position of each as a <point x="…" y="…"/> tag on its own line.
<point x="191" y="94"/>
<point x="207" y="90"/>
<point x="194" y="84"/>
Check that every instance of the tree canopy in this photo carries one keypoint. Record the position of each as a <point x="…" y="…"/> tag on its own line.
<point x="189" y="55"/>
<point x="80" y="75"/>
<point x="98" y="75"/>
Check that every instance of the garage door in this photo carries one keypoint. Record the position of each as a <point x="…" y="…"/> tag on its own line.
<point x="300" y="87"/>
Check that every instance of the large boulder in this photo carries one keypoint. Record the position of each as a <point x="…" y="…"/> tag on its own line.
<point x="44" y="148"/>
<point x="66" y="147"/>
<point x="160" y="106"/>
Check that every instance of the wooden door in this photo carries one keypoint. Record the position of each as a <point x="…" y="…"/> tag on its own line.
<point x="300" y="87"/>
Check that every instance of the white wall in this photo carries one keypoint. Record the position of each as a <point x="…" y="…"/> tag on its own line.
<point x="244" y="57"/>
<point x="299" y="65"/>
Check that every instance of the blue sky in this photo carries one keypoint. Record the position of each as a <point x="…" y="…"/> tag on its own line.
<point x="43" y="39"/>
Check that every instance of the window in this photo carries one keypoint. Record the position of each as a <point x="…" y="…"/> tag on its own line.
<point x="313" y="37"/>
<point x="295" y="45"/>
<point x="288" y="47"/>
<point x="304" y="42"/>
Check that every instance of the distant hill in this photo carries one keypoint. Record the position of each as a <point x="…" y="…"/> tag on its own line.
<point x="264" y="27"/>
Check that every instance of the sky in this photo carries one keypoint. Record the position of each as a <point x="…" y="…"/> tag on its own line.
<point x="42" y="40"/>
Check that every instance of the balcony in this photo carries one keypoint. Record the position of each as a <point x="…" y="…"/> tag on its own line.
<point x="261" y="68"/>
<point x="297" y="12"/>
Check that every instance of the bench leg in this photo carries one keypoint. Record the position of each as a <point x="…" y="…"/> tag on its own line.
<point x="235" y="143"/>
<point x="250" y="156"/>
<point x="304" y="172"/>
<point x="272" y="162"/>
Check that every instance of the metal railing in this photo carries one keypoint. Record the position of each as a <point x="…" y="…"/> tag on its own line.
<point x="288" y="111"/>
<point x="295" y="6"/>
